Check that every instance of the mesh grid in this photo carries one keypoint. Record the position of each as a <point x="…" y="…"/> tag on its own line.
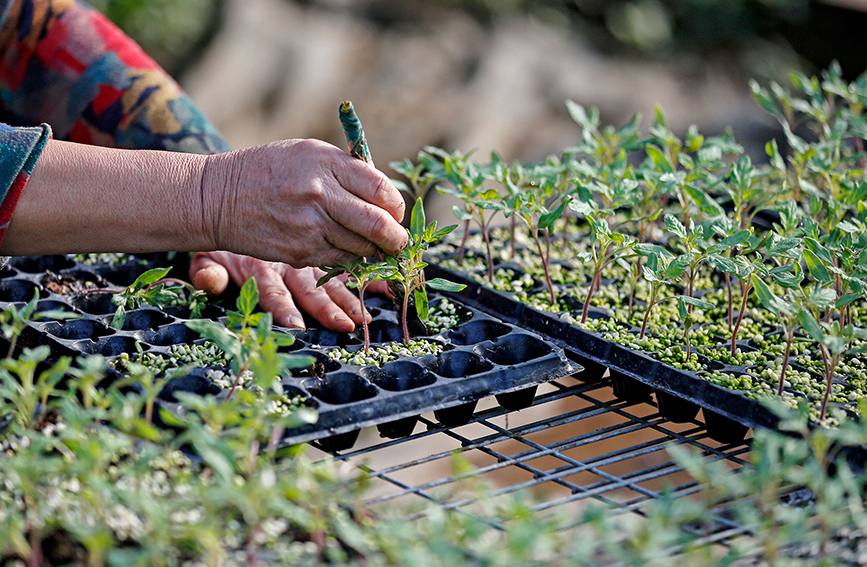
<point x="576" y="443"/>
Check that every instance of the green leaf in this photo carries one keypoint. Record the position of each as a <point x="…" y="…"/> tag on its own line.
<point x="421" y="303"/>
<point x="546" y="220"/>
<point x="736" y="238"/>
<point x="329" y="274"/>
<point x="444" y="285"/>
<point x="811" y="325"/>
<point x="443" y="232"/>
<point x="659" y="159"/>
<point x="151" y="276"/>
<point x="674" y="226"/>
<point x="417" y="219"/>
<point x="700" y="303"/>
<point x="816" y="267"/>
<point x="248" y="299"/>
<point x="461" y="213"/>
<point x="846" y="300"/>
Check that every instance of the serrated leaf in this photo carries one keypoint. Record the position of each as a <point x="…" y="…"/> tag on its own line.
<point x="816" y="267"/>
<point x="248" y="298"/>
<point x="674" y="226"/>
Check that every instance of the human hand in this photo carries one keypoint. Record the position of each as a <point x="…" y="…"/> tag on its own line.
<point x="301" y="202"/>
<point x="283" y="290"/>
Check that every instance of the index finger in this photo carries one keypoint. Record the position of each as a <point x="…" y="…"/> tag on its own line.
<point x="369" y="184"/>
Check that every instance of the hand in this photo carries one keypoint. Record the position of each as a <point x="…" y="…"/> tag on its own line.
<point x="283" y="289"/>
<point x="301" y="202"/>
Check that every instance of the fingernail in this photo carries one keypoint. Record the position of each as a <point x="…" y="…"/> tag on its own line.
<point x="297" y="323"/>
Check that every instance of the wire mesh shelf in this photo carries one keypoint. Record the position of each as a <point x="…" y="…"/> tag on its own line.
<point x="576" y="443"/>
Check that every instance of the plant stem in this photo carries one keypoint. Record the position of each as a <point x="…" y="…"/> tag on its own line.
<point x="463" y="242"/>
<point x="405" y="307"/>
<point x="544" y="266"/>
<point x="363" y="318"/>
<point x="830" y="366"/>
<point x="646" y="317"/>
<point x="512" y="229"/>
<point x="488" y="251"/>
<point x="790" y="335"/>
<point x="731" y="299"/>
<point x="746" y="289"/>
<point x="590" y="294"/>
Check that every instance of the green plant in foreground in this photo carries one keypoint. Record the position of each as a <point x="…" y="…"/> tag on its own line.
<point x="14" y="319"/>
<point x="408" y="266"/>
<point x="250" y="343"/>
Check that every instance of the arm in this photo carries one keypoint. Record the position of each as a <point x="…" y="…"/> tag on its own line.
<point x="89" y="198"/>
<point x="65" y="64"/>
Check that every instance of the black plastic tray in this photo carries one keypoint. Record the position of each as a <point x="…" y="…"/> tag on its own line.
<point x="484" y="355"/>
<point x="728" y="414"/>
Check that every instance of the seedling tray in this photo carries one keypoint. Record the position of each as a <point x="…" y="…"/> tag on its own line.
<point x="482" y="355"/>
<point x="635" y="376"/>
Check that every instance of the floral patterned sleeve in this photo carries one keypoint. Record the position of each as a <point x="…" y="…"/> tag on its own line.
<point x="64" y="64"/>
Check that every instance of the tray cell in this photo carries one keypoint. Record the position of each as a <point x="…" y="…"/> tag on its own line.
<point x="94" y="303"/>
<point x="39" y="264"/>
<point x="342" y="388"/>
<point x="458" y="364"/>
<point x="18" y="290"/>
<point x="112" y="345"/>
<point x="477" y="331"/>
<point x="324" y="337"/>
<point x="516" y="348"/>
<point x="176" y="333"/>
<point x="76" y="329"/>
<point x="322" y="364"/>
<point x="144" y="320"/>
<point x="402" y="375"/>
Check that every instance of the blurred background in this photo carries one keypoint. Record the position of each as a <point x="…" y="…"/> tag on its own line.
<point x="486" y="74"/>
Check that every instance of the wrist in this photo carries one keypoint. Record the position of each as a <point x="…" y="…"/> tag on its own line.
<point x="218" y="189"/>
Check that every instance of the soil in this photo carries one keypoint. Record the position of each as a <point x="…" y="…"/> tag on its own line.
<point x="65" y="285"/>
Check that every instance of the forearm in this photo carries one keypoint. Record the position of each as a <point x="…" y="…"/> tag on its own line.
<point x="84" y="198"/>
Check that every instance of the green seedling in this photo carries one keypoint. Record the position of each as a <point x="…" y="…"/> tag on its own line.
<point x="154" y="288"/>
<point x="661" y="269"/>
<point x="407" y="268"/>
<point x="250" y="343"/>
<point x="421" y="176"/>
<point x="529" y="207"/>
<point x="361" y="274"/>
<point x="481" y="203"/>
<point x="13" y="320"/>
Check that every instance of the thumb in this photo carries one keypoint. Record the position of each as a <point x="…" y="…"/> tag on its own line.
<point x="208" y="274"/>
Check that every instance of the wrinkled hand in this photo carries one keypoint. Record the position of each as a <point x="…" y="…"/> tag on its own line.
<point x="283" y="290"/>
<point x="301" y="202"/>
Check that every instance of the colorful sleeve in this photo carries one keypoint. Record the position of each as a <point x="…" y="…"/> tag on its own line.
<point x="63" y="63"/>
<point x="19" y="150"/>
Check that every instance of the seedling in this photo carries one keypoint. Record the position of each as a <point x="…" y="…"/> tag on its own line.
<point x="249" y="342"/>
<point x="361" y="274"/>
<point x="408" y="267"/>
<point x="529" y="207"/>
<point x="153" y="288"/>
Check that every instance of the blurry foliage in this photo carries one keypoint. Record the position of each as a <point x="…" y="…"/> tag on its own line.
<point x="171" y="32"/>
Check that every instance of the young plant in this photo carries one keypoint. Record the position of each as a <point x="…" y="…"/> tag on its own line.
<point x="606" y="246"/>
<point x="660" y="270"/>
<point x="833" y="343"/>
<point x="154" y="288"/>
<point x="13" y="320"/>
<point x="480" y="203"/>
<point x="250" y="344"/>
<point x="421" y="176"/>
<point x="529" y="207"/>
<point x="361" y="274"/>
<point x="407" y="268"/>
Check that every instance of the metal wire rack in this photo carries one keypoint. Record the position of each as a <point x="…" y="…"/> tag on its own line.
<point x="576" y="443"/>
